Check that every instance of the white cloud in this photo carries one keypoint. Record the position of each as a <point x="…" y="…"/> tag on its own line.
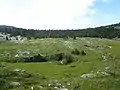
<point x="45" y="14"/>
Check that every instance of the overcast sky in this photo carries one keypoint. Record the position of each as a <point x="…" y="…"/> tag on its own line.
<point x="59" y="14"/>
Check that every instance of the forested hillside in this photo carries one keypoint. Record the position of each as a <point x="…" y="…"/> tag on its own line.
<point x="109" y="31"/>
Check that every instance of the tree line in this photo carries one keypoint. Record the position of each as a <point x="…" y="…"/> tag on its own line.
<point x="109" y="31"/>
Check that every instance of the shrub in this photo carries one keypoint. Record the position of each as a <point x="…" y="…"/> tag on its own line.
<point x="74" y="38"/>
<point x="36" y="58"/>
<point x="10" y="60"/>
<point x="3" y="85"/>
<point x="39" y="58"/>
<point x="58" y="57"/>
<point x="29" y="38"/>
<point x="76" y="52"/>
<point x="61" y="57"/>
<point x="67" y="59"/>
<point x="83" y="53"/>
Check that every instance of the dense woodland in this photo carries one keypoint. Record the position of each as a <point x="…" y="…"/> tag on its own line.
<point x="109" y="31"/>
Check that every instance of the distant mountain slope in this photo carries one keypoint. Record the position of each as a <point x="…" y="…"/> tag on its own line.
<point x="108" y="31"/>
<point x="115" y="25"/>
<point x="5" y="26"/>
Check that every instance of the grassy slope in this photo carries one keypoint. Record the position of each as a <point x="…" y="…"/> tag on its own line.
<point x="47" y="46"/>
<point x="91" y="62"/>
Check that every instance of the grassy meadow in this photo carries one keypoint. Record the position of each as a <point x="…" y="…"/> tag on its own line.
<point x="102" y="61"/>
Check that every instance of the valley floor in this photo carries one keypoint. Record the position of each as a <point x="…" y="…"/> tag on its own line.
<point x="99" y="69"/>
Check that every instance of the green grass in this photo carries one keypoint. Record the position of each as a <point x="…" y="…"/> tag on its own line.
<point x="52" y="70"/>
<point x="49" y="46"/>
<point x="92" y="61"/>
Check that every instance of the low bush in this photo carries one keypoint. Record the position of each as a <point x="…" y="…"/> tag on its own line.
<point x="76" y="52"/>
<point x="69" y="58"/>
<point x="56" y="57"/>
<point x="63" y="58"/>
<point x="36" y="58"/>
<point x="83" y="53"/>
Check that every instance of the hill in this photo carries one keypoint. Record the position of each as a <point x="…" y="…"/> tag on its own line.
<point x="108" y="31"/>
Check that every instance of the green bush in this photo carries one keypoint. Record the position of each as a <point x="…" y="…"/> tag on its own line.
<point x="76" y="52"/>
<point x="63" y="58"/>
<point x="74" y="38"/>
<point x="69" y="58"/>
<point x="83" y="53"/>
<point x="35" y="58"/>
<point x="56" y="57"/>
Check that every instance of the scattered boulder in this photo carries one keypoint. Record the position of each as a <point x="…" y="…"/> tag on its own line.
<point x="32" y="88"/>
<point x="104" y="57"/>
<point x="26" y="53"/>
<point x="102" y="73"/>
<point x="49" y="85"/>
<point x="56" y="88"/>
<point x="109" y="46"/>
<point x="107" y="68"/>
<point x="87" y="75"/>
<point x="15" y="84"/>
<point x="105" y="73"/>
<point x="16" y="70"/>
<point x="68" y="84"/>
<point x="16" y="55"/>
